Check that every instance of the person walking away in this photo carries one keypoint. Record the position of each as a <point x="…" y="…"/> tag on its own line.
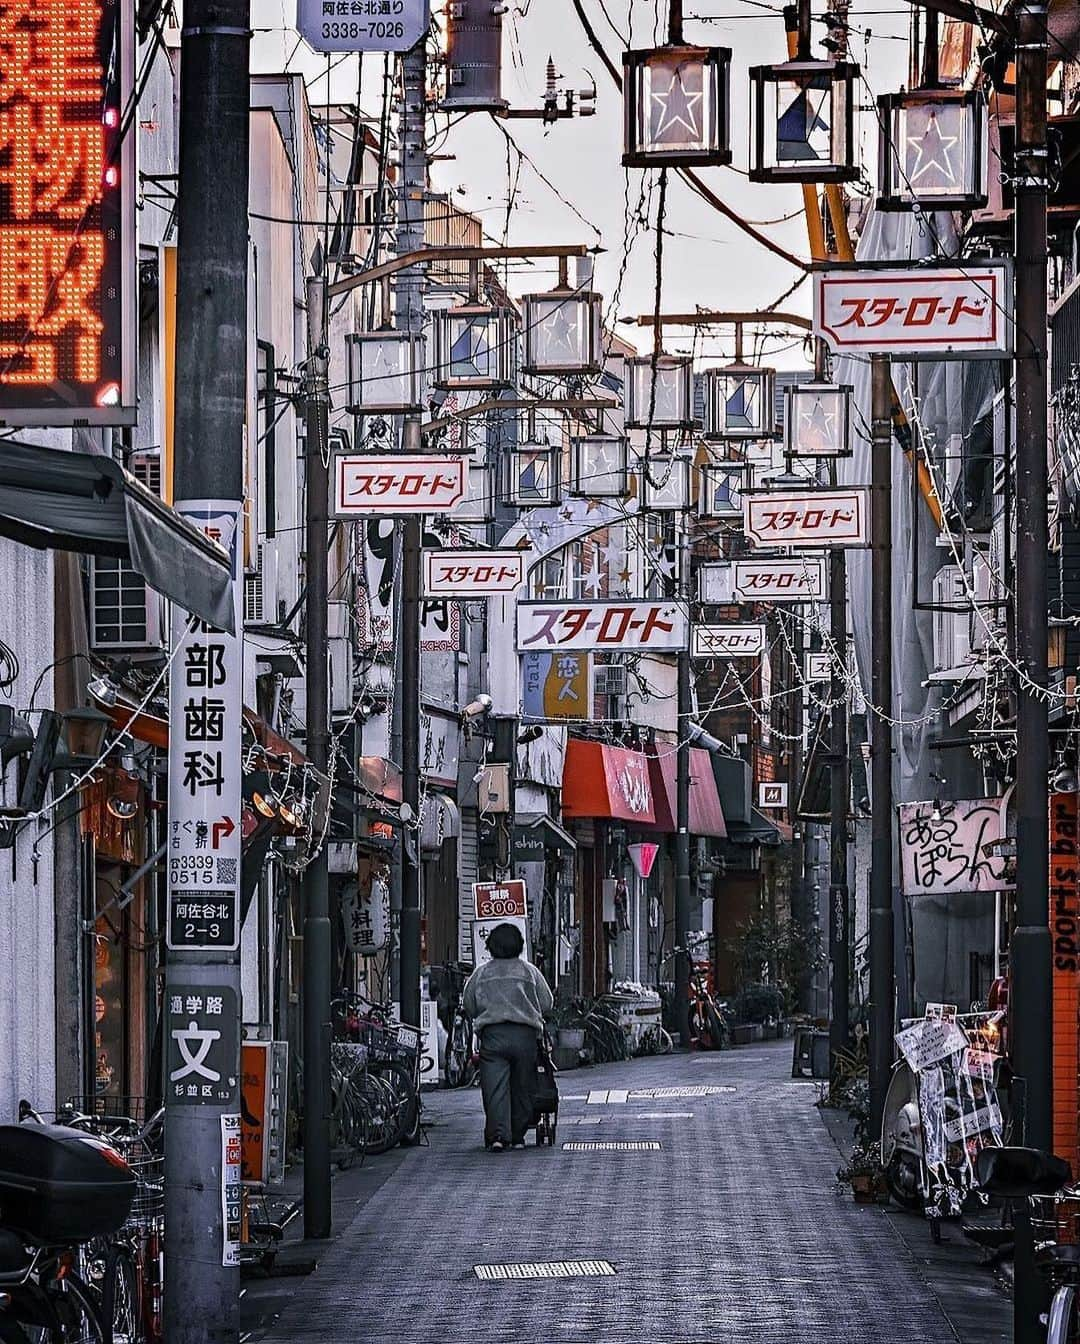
<point x="507" y="998"/>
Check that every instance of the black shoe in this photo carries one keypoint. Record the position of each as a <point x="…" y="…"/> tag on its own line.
<point x="497" y="1146"/>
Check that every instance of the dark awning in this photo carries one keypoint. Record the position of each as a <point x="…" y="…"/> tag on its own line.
<point x="547" y="828"/>
<point x="64" y="501"/>
<point x="758" y="831"/>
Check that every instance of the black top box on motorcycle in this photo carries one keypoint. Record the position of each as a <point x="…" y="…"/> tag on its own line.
<point x="61" y="1185"/>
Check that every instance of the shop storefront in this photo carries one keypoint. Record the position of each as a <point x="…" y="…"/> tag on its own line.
<point x="606" y="792"/>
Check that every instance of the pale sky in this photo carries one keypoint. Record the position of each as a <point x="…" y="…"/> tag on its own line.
<point x="708" y="262"/>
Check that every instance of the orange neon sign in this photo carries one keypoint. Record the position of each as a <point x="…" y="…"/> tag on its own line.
<point x="66" y="283"/>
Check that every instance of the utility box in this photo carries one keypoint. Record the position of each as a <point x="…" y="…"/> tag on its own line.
<point x="474" y="56"/>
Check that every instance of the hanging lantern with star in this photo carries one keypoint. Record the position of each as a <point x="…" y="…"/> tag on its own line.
<point x="563" y="332"/>
<point x="803" y="117"/>
<point x="659" y="392"/>
<point x="817" y="420"/>
<point x="721" y="489"/>
<point x="533" y="475"/>
<point x="739" y="402"/>
<point x="675" y="107"/>
<point x="665" y="482"/>
<point x="933" y="151"/>
<point x="385" y="372"/>
<point x="600" y="467"/>
<point x="475" y="347"/>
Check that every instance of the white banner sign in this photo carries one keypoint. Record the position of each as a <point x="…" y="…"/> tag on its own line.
<point x="390" y="483"/>
<point x="641" y="626"/>
<point x="440" y="619"/>
<point x="205" y="717"/>
<point x="727" y="641"/>
<point x="818" y="667"/>
<point x="481" y="928"/>
<point x="772" y="795"/>
<point x="928" y="1042"/>
<point x="943" y="846"/>
<point x="464" y="574"/>
<point x="362" y="25"/>
<point x="798" y="579"/>
<point x="716" y="583"/>
<point x="808" y="518"/>
<point x="917" y="312"/>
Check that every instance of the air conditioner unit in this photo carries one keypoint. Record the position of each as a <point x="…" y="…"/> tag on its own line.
<point x="253" y="591"/>
<point x="984" y="586"/>
<point x="124" y="612"/>
<point x="952" y="636"/>
<point x="610" y="679"/>
<point x="145" y="466"/>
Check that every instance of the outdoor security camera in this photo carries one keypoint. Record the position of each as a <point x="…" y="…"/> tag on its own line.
<point x="701" y="738"/>
<point x="475" y="708"/>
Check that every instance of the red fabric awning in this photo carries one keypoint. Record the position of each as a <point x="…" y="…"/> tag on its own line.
<point x="603" y="781"/>
<point x="706" y="813"/>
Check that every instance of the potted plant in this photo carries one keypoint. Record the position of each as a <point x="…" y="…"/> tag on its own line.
<point x="864" y="1173"/>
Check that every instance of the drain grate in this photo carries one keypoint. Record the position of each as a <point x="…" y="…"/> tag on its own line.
<point x="615" y="1146"/>
<point x="546" y="1269"/>
<point x="655" y="1093"/>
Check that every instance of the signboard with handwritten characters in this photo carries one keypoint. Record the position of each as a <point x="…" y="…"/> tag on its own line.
<point x="943" y="846"/>
<point x="67" y="181"/>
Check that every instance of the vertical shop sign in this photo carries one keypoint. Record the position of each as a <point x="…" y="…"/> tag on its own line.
<point x="67" y="198"/>
<point x="255" y="1090"/>
<point x="231" y="1200"/>
<point x="205" y="720"/>
<point x="1065" y="975"/>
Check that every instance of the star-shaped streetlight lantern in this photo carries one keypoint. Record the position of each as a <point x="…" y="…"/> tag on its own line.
<point x="659" y="392"/>
<point x="675" y="106"/>
<point x="475" y="347"/>
<point x="665" y="482"/>
<point x="385" y="372"/>
<point x="722" y="486"/>
<point x="599" y="469"/>
<point x="817" y="420"/>
<point x="563" y="332"/>
<point x="933" y="152"/>
<point x="739" y="402"/>
<point x="533" y="475"/>
<point x="803" y="122"/>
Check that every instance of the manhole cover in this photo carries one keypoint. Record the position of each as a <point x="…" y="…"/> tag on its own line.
<point x="546" y="1269"/>
<point x="655" y="1093"/>
<point x="614" y="1146"/>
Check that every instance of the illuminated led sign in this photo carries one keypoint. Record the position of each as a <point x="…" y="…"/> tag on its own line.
<point x="67" y="251"/>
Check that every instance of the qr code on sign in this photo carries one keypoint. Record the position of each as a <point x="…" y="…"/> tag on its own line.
<point x="226" y="870"/>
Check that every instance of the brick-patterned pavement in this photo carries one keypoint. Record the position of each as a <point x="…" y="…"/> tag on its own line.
<point x="731" y="1233"/>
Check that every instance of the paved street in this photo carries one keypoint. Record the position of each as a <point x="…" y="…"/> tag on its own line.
<point x="730" y="1231"/>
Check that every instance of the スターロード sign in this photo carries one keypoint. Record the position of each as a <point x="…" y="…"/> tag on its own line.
<point x="808" y="517"/>
<point x="384" y="483"/>
<point x="926" y="312"/>
<point x="600" y="625"/>
<point x="727" y="641"/>
<point x="465" y="574"/>
<point x="800" y="578"/>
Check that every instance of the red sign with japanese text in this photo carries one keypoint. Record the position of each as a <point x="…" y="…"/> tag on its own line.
<point x="67" y="180"/>
<point x="496" y="900"/>
<point x="464" y="574"/>
<point x="808" y="518"/>
<point x="926" y="312"/>
<point x="1065" y="973"/>
<point x="600" y="625"/>
<point x="384" y="483"/>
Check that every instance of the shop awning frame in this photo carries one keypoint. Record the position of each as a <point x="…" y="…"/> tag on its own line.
<point x="55" y="500"/>
<point x="563" y="840"/>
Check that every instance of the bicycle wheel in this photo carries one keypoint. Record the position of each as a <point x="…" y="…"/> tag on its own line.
<point x="458" y="1052"/>
<point x="1063" y="1325"/>
<point x="384" y="1126"/>
<point x="406" y="1098"/>
<point x="79" y="1319"/>
<point x="717" y="1031"/>
<point x="121" y="1300"/>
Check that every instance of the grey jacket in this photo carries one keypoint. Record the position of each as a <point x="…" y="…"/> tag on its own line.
<point x="506" y="990"/>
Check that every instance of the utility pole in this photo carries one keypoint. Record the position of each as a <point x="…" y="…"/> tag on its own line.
<point x="412" y="194"/>
<point x="202" y="980"/>
<point x="316" y="881"/>
<point x="1029" y="954"/>
<point x="839" y="802"/>
<point x="881" y="850"/>
<point x="682" y="833"/>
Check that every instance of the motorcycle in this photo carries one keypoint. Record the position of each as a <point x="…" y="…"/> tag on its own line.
<point x="902" y="1151"/>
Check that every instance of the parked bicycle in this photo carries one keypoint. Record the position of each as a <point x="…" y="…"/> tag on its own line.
<point x="61" y="1192"/>
<point x="462" y="1059"/>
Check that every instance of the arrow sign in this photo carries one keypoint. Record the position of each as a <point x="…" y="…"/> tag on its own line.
<point x="221" y="830"/>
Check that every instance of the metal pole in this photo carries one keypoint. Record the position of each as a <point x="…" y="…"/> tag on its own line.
<point x="882" y="972"/>
<point x="682" y="847"/>
<point x="202" y="982"/>
<point x="316" y="882"/>
<point x="1031" y="1007"/>
<point x="410" y="317"/>
<point x="839" y="803"/>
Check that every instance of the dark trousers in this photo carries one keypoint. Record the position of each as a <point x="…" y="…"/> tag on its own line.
<point x="507" y="1078"/>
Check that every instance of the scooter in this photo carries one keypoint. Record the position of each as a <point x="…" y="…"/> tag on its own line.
<point x="902" y="1151"/>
